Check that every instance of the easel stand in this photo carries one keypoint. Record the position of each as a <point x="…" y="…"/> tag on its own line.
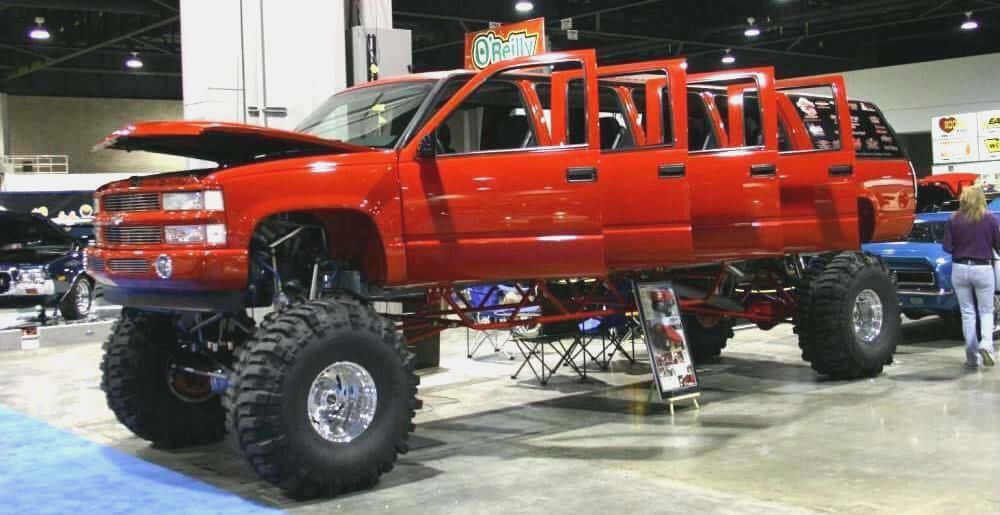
<point x="693" y="397"/>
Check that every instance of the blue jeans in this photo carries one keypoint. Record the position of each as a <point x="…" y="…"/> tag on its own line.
<point x="974" y="282"/>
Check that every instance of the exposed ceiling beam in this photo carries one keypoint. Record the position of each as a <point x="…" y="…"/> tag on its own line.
<point x="858" y="28"/>
<point x="101" y="71"/>
<point x="165" y="5"/>
<point x="151" y="46"/>
<point x="110" y="6"/>
<point x="21" y="72"/>
<point x="23" y="51"/>
<point x="718" y="46"/>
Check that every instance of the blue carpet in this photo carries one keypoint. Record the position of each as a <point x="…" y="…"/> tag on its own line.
<point x="46" y="470"/>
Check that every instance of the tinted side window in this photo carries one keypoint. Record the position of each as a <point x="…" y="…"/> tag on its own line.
<point x="701" y="135"/>
<point x="615" y="130"/>
<point x="872" y="135"/>
<point x="666" y="124"/>
<point x="494" y="117"/>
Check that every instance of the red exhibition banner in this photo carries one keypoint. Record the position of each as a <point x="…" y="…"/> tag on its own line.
<point x="489" y="46"/>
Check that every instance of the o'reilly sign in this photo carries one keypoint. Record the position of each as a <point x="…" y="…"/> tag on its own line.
<point x="489" y="46"/>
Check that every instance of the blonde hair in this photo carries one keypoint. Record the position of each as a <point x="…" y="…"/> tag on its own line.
<point x="972" y="203"/>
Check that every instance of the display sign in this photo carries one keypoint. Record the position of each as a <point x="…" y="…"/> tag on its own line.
<point x="669" y="356"/>
<point x="954" y="138"/>
<point x="989" y="135"/>
<point x="496" y="44"/>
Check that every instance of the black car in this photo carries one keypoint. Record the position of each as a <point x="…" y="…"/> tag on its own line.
<point x="42" y="264"/>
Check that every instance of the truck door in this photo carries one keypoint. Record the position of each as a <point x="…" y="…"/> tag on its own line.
<point x="645" y="191"/>
<point x="503" y="198"/>
<point x="819" y="206"/>
<point x="735" y="198"/>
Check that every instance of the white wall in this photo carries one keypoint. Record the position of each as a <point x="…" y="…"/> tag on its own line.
<point x="72" y="126"/>
<point x="911" y="94"/>
<point x="237" y="54"/>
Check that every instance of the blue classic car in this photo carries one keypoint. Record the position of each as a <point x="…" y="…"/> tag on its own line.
<point x="923" y="269"/>
<point x="41" y="264"/>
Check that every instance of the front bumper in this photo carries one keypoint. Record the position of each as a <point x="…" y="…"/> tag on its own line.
<point x="200" y="279"/>
<point x="928" y="301"/>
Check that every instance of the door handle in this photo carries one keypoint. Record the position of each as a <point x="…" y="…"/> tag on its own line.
<point x="581" y="174"/>
<point x="763" y="170"/>
<point x="671" y="171"/>
<point x="841" y="170"/>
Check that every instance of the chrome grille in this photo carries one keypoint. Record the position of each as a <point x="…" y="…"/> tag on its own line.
<point x="131" y="235"/>
<point x="95" y="264"/>
<point x="131" y="202"/>
<point x="912" y="272"/>
<point x="129" y="266"/>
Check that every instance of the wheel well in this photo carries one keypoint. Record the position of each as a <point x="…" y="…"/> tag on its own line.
<point x="866" y="220"/>
<point x="347" y="237"/>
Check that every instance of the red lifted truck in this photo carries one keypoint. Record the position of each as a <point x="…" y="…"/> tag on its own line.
<point x="550" y="173"/>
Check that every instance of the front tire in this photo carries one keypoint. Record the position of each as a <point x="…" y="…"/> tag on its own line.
<point x="324" y="398"/>
<point x="169" y="410"/>
<point x="849" y="317"/>
<point x="77" y="302"/>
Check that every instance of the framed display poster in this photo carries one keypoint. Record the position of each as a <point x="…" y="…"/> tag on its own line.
<point x="989" y="135"/>
<point x="953" y="138"/>
<point x="669" y="356"/>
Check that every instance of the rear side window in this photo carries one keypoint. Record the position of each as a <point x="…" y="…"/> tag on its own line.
<point x="872" y="135"/>
<point x="820" y="117"/>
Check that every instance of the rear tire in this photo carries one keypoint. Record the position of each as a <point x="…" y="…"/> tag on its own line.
<point x="849" y="317"/>
<point x="707" y="336"/>
<point x="136" y="370"/>
<point x="309" y="447"/>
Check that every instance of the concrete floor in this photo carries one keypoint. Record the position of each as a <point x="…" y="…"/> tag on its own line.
<point x="771" y="436"/>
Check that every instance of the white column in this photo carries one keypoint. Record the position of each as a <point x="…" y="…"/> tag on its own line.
<point x="3" y="124"/>
<point x="265" y="62"/>
<point x="393" y="46"/>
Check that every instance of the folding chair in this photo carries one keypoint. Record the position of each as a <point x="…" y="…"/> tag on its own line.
<point x="612" y="332"/>
<point x="532" y="349"/>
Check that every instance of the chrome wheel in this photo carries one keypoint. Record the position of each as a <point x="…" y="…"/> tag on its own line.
<point x="342" y="402"/>
<point x="83" y="299"/>
<point x="867" y="316"/>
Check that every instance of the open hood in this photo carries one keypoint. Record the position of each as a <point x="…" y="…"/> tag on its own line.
<point x="224" y="143"/>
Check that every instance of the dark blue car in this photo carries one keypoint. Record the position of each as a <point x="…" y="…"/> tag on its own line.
<point x="41" y="264"/>
<point x="923" y="269"/>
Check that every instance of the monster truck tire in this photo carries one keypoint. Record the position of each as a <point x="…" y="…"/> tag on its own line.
<point x="707" y="336"/>
<point x="290" y="387"/>
<point x="849" y="317"/>
<point x="138" y="355"/>
<point x="78" y="301"/>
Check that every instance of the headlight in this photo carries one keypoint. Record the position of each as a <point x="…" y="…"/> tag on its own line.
<point x="193" y="201"/>
<point x="32" y="275"/>
<point x="214" y="234"/>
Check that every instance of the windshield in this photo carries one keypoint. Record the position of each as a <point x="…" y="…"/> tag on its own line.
<point x="374" y="116"/>
<point x="26" y="231"/>
<point x="927" y="232"/>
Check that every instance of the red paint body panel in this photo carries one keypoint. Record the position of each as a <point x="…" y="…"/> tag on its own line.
<point x="514" y="214"/>
<point x="954" y="182"/>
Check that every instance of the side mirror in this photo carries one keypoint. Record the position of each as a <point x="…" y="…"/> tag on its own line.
<point x="428" y="146"/>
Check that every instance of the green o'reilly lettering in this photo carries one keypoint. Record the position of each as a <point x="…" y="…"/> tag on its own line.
<point x="489" y="48"/>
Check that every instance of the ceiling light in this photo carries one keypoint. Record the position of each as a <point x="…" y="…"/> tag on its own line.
<point x="524" y="6"/>
<point x="133" y="61"/>
<point x="728" y="58"/>
<point x="969" y="23"/>
<point x="752" y="30"/>
<point x="39" y="31"/>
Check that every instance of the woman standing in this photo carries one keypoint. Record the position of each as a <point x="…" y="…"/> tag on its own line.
<point x="971" y="236"/>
